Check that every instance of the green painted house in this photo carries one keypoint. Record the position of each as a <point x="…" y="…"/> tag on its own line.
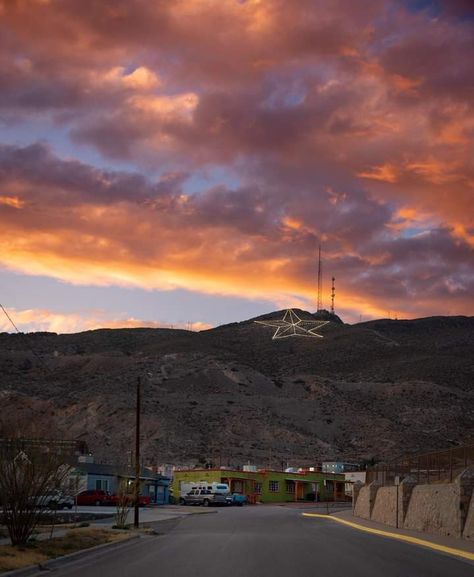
<point x="267" y="486"/>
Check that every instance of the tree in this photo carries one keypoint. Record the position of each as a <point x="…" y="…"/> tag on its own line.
<point x="28" y="474"/>
<point x="122" y="505"/>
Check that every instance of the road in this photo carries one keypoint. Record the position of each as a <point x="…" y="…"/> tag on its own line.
<point x="266" y="541"/>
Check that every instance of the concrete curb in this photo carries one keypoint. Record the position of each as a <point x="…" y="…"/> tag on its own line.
<point x="406" y="538"/>
<point x="58" y="561"/>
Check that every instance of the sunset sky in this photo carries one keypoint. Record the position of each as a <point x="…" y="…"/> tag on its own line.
<point x="179" y="161"/>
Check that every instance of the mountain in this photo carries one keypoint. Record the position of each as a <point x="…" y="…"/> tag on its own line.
<point x="232" y="394"/>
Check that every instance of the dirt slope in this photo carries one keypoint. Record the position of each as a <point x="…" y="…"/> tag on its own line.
<point x="233" y="394"/>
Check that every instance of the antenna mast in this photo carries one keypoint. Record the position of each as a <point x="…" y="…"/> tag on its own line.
<point x="319" y="304"/>
<point x="333" y="294"/>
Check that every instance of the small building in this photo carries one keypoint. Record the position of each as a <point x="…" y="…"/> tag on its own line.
<point x="353" y="477"/>
<point x="97" y="476"/>
<point x="266" y="486"/>
<point x="339" y="467"/>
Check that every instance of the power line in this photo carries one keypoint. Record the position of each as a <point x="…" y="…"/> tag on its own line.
<point x="26" y="340"/>
<point x="10" y="319"/>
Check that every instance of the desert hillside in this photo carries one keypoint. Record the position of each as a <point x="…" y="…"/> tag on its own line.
<point x="232" y="394"/>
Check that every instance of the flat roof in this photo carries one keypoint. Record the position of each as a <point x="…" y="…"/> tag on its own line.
<point x="259" y="471"/>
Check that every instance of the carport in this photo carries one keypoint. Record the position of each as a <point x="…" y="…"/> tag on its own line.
<point x="299" y="488"/>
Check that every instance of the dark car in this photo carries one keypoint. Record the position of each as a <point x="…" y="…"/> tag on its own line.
<point x="94" y="497"/>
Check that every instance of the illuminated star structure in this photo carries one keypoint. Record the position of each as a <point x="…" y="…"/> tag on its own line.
<point x="292" y="326"/>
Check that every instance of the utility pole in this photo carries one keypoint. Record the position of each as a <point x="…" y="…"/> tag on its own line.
<point x="319" y="304"/>
<point x="137" y="455"/>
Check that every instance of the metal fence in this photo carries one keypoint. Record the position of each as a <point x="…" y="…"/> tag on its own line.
<point x="59" y="446"/>
<point x="434" y="467"/>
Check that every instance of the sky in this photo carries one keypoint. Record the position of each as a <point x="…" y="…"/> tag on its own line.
<point x="179" y="163"/>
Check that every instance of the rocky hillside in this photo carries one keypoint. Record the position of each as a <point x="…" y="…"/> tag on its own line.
<point x="232" y="394"/>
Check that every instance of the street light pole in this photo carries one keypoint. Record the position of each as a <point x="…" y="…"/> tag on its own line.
<point x="137" y="455"/>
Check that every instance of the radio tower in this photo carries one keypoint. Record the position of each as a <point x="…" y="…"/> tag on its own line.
<point x="319" y="304"/>
<point x="333" y="294"/>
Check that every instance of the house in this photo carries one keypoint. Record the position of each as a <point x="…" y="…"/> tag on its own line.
<point x="267" y="486"/>
<point x="354" y="477"/>
<point x="339" y="467"/>
<point x="97" y="476"/>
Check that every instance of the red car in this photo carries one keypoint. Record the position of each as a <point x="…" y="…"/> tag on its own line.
<point x="94" y="498"/>
<point x="143" y="500"/>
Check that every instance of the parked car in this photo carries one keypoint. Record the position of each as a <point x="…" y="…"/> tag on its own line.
<point x="143" y="500"/>
<point x="94" y="497"/>
<point x="236" y="499"/>
<point x="54" y="500"/>
<point x="204" y="497"/>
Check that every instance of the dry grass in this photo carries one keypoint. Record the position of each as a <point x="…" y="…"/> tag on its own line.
<point x="40" y="551"/>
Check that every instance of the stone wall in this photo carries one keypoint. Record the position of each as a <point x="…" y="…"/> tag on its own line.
<point x="385" y="506"/>
<point x="443" y="509"/>
<point x="434" y="509"/>
<point x="365" y="501"/>
<point x="468" y="532"/>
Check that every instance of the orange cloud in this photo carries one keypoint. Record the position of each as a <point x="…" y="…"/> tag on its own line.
<point x="460" y="232"/>
<point x="384" y="173"/>
<point x="291" y="223"/>
<point x="296" y="103"/>
<point x="32" y="320"/>
<point x="12" y="201"/>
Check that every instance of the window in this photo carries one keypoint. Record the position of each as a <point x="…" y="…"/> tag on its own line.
<point x="257" y="488"/>
<point x="290" y="486"/>
<point x="102" y="484"/>
<point x="273" y="486"/>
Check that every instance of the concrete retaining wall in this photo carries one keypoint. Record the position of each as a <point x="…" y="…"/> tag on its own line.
<point x="434" y="509"/>
<point x="444" y="509"/>
<point x="469" y="526"/>
<point x="365" y="501"/>
<point x="385" y="506"/>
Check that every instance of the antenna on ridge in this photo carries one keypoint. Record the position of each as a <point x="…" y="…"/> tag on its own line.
<point x="333" y="294"/>
<point x="319" y="304"/>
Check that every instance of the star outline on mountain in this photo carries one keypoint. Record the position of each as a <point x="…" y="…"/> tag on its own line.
<point x="291" y="325"/>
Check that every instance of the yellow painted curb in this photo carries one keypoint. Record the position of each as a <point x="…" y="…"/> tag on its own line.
<point x="406" y="538"/>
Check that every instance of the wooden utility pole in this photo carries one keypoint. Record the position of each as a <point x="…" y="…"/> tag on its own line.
<point x="137" y="456"/>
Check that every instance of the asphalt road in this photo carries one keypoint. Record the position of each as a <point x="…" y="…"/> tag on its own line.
<point x="266" y="541"/>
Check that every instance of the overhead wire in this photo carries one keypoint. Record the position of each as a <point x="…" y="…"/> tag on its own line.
<point x="26" y="340"/>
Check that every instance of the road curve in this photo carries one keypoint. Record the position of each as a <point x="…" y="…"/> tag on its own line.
<point x="265" y="541"/>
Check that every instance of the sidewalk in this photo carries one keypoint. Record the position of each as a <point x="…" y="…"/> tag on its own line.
<point x="439" y="542"/>
<point x="148" y="516"/>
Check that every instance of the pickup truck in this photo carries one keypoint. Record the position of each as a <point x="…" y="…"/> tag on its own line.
<point x="204" y="497"/>
<point x="236" y="499"/>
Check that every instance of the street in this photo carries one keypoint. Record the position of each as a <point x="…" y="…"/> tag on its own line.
<point x="267" y="540"/>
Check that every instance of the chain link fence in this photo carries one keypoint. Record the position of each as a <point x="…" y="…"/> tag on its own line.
<point x="425" y="468"/>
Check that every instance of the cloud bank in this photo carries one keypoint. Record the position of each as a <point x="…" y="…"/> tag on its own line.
<point x="324" y="122"/>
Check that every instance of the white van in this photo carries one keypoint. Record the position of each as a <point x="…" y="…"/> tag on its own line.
<point x="215" y="488"/>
